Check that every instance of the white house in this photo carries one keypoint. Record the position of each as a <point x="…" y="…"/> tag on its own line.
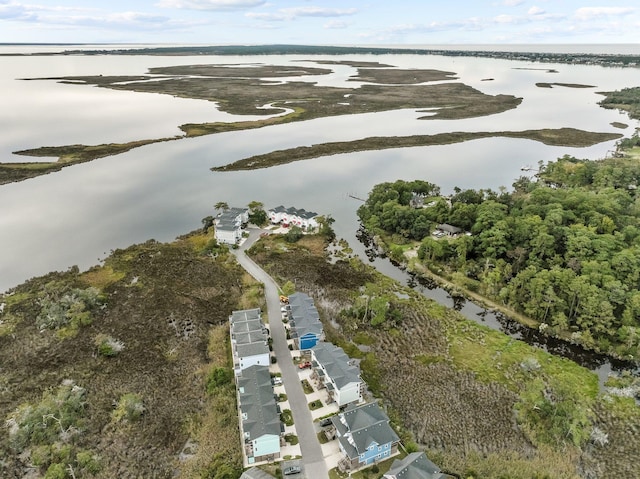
<point x="249" y="340"/>
<point x="293" y="217"/>
<point x="229" y="225"/>
<point x="338" y="372"/>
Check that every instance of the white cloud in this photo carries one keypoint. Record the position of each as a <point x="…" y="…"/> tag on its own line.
<point x="296" y="12"/>
<point x="211" y="4"/>
<point x="267" y="16"/>
<point x="506" y="19"/>
<point x="512" y="3"/>
<point x="335" y="25"/>
<point x="535" y="11"/>
<point x="318" y="12"/>
<point x="589" y="13"/>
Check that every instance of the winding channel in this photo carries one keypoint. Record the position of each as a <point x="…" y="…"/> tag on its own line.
<point x="601" y="364"/>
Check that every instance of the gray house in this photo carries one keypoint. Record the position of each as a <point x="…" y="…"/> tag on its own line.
<point x="364" y="436"/>
<point x="248" y="339"/>
<point x="337" y="372"/>
<point x="448" y="229"/>
<point x="259" y="417"/>
<point x="415" y="466"/>
<point x="306" y="328"/>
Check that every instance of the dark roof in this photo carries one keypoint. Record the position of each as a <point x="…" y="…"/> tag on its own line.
<point x="338" y="365"/>
<point x="245" y="315"/>
<point x="449" y="228"/>
<point x="360" y="426"/>
<point x="252" y="349"/>
<point x="415" y="466"/>
<point x="304" y="315"/>
<point x="255" y="393"/>
<point x="302" y="213"/>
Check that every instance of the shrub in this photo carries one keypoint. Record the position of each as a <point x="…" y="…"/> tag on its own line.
<point x="219" y="377"/>
<point x="108" y="346"/>
<point x="56" y="471"/>
<point x="129" y="408"/>
<point x="56" y="417"/>
<point x="287" y="417"/>
<point x="71" y="308"/>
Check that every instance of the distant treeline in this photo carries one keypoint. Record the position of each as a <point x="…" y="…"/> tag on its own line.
<point x="582" y="58"/>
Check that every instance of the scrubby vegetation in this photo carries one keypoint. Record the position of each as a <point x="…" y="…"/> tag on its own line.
<point x="482" y="404"/>
<point x="112" y="372"/>
<point x="627" y="99"/>
<point x="562" y="250"/>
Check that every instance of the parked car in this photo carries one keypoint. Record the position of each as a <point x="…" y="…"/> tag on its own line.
<point x="325" y="422"/>
<point x="287" y="471"/>
<point x="277" y="381"/>
<point x="304" y="365"/>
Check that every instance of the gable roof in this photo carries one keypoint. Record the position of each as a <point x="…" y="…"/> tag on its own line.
<point x="252" y="349"/>
<point x="300" y="212"/>
<point x="255" y="473"/>
<point x="257" y="402"/>
<point x="304" y="315"/>
<point x="360" y="426"/>
<point x="415" y="466"/>
<point x="449" y="228"/>
<point x="336" y="363"/>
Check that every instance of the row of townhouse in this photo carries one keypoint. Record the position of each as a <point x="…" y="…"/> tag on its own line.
<point x="259" y="417"/>
<point x="249" y="340"/>
<point x="363" y="430"/>
<point x="306" y="329"/>
<point x="229" y="225"/>
<point x="293" y="217"/>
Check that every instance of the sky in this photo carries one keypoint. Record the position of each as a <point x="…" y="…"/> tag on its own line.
<point x="321" y="22"/>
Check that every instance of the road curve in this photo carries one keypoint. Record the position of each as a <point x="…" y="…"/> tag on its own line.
<point x="312" y="457"/>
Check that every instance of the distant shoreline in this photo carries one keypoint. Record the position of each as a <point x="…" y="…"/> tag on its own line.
<point x="541" y="56"/>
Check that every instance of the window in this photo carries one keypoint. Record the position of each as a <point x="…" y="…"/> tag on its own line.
<point x="362" y="456"/>
<point x="379" y="448"/>
<point x="386" y="453"/>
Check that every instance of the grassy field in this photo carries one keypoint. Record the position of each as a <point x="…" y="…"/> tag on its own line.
<point x="480" y="403"/>
<point x="558" y="137"/>
<point x="128" y="379"/>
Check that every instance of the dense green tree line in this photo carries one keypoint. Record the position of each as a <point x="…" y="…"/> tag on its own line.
<point x="564" y="250"/>
<point x="626" y="99"/>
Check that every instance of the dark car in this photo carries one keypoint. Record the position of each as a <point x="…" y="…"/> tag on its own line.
<point x="325" y="422"/>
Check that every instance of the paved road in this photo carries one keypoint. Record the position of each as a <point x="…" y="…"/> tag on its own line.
<point x="312" y="456"/>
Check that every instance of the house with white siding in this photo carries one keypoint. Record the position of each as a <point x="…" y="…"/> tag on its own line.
<point x="337" y="372"/>
<point x="229" y="225"/>
<point x="249" y="340"/>
<point x="293" y="217"/>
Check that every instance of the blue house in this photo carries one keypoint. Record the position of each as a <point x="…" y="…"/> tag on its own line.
<point x="364" y="436"/>
<point x="306" y="328"/>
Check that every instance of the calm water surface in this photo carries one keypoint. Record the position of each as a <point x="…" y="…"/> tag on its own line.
<point x="78" y="215"/>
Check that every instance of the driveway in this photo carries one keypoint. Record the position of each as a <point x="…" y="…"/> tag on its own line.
<point x="312" y="454"/>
